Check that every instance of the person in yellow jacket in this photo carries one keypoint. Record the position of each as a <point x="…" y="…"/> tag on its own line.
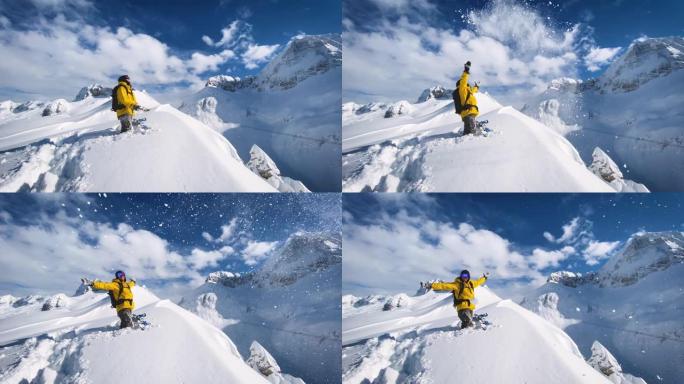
<point x="463" y="290"/>
<point x="466" y="94"/>
<point x="125" y="105"/>
<point x="122" y="294"/>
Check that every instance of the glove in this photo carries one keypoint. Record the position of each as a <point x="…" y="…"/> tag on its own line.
<point x="466" y="67"/>
<point x="486" y="275"/>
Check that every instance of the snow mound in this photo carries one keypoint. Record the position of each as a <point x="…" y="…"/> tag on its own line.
<point x="83" y="151"/>
<point x="416" y="344"/>
<point x="263" y="362"/>
<point x="81" y="343"/>
<point x="265" y="167"/>
<point x="605" y="168"/>
<point x="603" y="361"/>
<point x="424" y="152"/>
<point x="56" y="107"/>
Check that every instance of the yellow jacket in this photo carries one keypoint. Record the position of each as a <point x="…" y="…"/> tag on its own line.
<point x="467" y="94"/>
<point x="124" y="298"/>
<point x="126" y="99"/>
<point x="465" y="292"/>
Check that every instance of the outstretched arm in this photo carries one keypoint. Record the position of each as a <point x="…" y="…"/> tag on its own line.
<point x="103" y="286"/>
<point x="439" y="286"/>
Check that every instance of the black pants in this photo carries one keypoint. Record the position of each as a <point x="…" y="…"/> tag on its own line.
<point x="126" y="319"/>
<point x="466" y="316"/>
<point x="469" y="125"/>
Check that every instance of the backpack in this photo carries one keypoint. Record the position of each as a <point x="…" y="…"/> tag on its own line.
<point x="458" y="103"/>
<point x="114" y="301"/>
<point x="115" y="102"/>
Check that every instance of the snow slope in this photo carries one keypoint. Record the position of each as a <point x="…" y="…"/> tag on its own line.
<point x="633" y="111"/>
<point x="290" y="110"/>
<point x="78" y="149"/>
<point x="632" y="305"/>
<point x="418" y="342"/>
<point x="78" y="341"/>
<point x="290" y="305"/>
<point x="417" y="147"/>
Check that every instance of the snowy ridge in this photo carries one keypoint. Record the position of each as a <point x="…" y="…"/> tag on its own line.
<point x="76" y="147"/>
<point x="631" y="305"/>
<point x="79" y="342"/>
<point x="418" y="147"/>
<point x="417" y="344"/>
<point x="290" y="305"/>
<point x="289" y="110"/>
<point x="632" y="112"/>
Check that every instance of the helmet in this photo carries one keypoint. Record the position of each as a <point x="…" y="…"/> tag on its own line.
<point x="465" y="274"/>
<point x="120" y="274"/>
<point x="125" y="78"/>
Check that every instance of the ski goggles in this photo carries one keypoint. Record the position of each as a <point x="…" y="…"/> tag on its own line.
<point x="465" y="276"/>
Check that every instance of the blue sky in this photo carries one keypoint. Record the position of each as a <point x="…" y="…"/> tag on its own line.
<point x="58" y="46"/>
<point x="512" y="44"/>
<point x="392" y="242"/>
<point x="167" y="241"/>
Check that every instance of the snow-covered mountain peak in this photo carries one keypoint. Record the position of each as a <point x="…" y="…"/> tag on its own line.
<point x="303" y="57"/>
<point x="436" y="92"/>
<point x="230" y="83"/>
<point x="645" y="253"/>
<point x="570" y="279"/>
<point x="303" y="253"/>
<point x="645" y="60"/>
<point x="93" y="90"/>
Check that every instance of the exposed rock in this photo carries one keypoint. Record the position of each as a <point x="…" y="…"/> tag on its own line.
<point x="56" y="107"/>
<point x="437" y="92"/>
<point x="261" y="164"/>
<point x="93" y="90"/>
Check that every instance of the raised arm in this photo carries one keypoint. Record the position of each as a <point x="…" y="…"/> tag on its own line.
<point x="480" y="281"/>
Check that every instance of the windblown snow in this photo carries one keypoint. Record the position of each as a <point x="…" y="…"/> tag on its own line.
<point x="290" y="305"/>
<point x="419" y="342"/>
<point x="632" y="306"/>
<point x="75" y="339"/>
<point x="406" y="147"/>
<point x="290" y="110"/>
<point x="76" y="146"/>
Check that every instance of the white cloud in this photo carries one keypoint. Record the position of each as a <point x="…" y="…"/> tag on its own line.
<point x="200" y="63"/>
<point x="85" y="54"/>
<point x="599" y="250"/>
<point x="5" y="22"/>
<point x="256" y="251"/>
<point x="570" y="230"/>
<point x="543" y="259"/>
<point x="511" y="47"/>
<point x="548" y="236"/>
<point x="258" y="54"/>
<point x="227" y="231"/>
<point x="207" y="40"/>
<point x="207" y="236"/>
<point x="51" y="255"/>
<point x="230" y="34"/>
<point x="201" y="259"/>
<point x="600" y="57"/>
<point x="408" y="248"/>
